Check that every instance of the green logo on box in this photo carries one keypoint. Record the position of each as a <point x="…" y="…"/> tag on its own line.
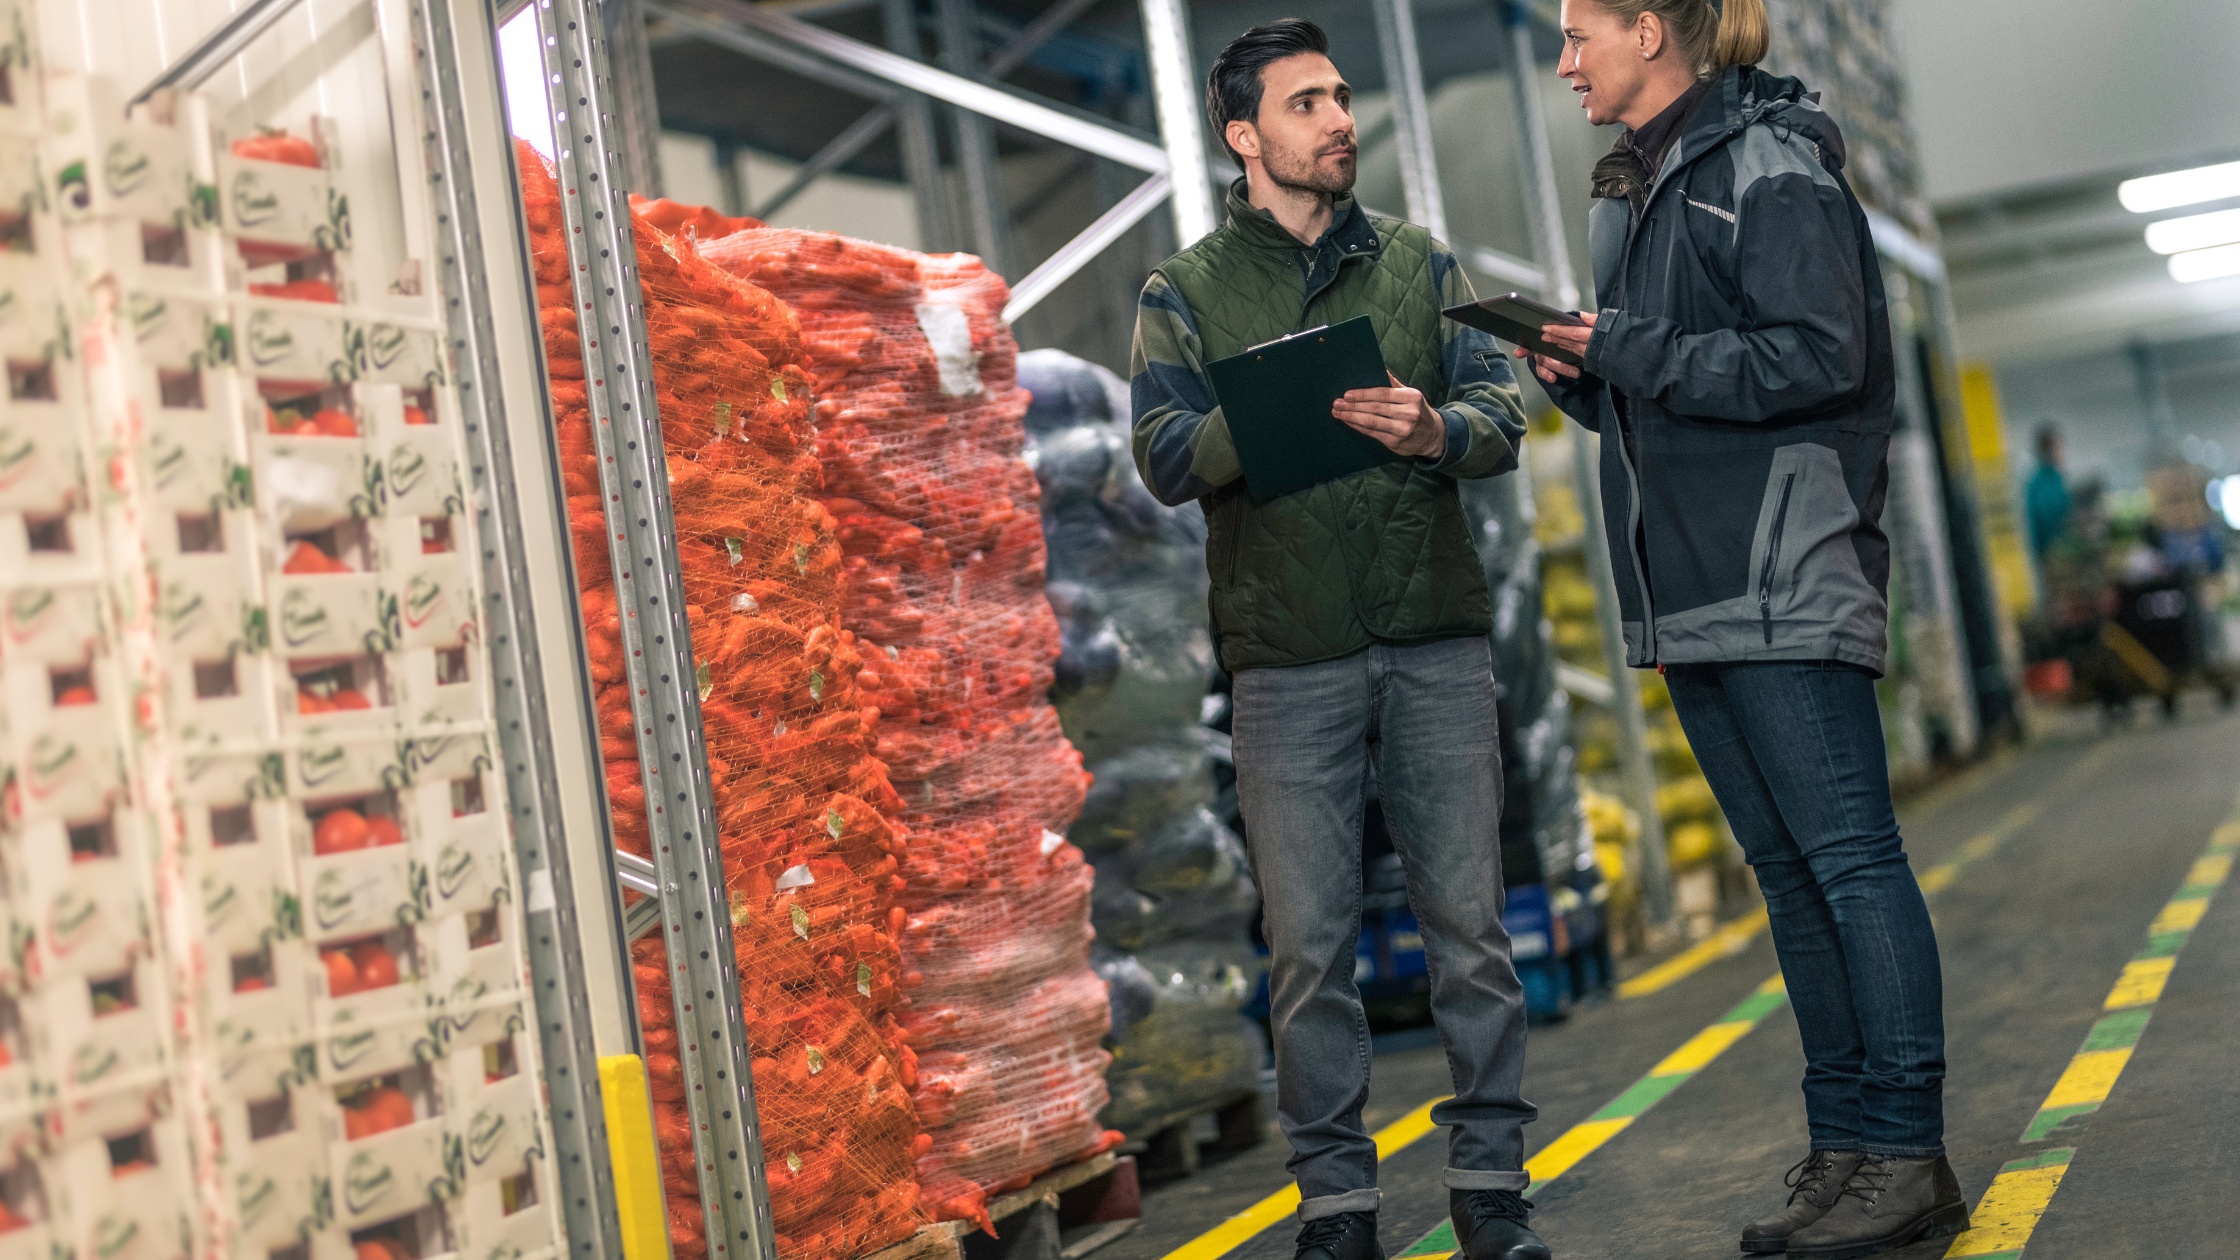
<point x="126" y="168"/>
<point x="26" y="606"/>
<point x="92" y="1061"/>
<point x="484" y="1134"/>
<point x="253" y="203"/>
<point x="406" y="469"/>
<point x="366" y="1182"/>
<point x="302" y="617"/>
<point x="386" y="343"/>
<point x="452" y="868"/>
<point x="269" y="339"/>
<point x="256" y="1194"/>
<point x="112" y="1234"/>
<point x="331" y="900"/>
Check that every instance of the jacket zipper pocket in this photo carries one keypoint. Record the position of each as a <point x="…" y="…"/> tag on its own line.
<point x="1773" y="553"/>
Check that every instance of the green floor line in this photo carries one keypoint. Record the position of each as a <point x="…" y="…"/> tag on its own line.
<point x="2018" y="1197"/>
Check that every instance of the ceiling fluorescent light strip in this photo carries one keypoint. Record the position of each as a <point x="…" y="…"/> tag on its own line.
<point x="2180" y="188"/>
<point x="2205" y="264"/>
<point x="2195" y="231"/>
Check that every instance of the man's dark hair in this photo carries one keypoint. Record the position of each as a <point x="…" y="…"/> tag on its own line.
<point x="2049" y="436"/>
<point x="1233" y="89"/>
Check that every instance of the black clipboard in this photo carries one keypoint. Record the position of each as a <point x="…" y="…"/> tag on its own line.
<point x="1276" y="398"/>
<point x="1517" y="319"/>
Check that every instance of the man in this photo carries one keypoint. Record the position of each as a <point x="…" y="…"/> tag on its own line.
<point x="2047" y="497"/>
<point x="1353" y="616"/>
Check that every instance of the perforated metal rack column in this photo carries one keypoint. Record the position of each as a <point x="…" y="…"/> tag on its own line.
<point x="665" y="702"/>
<point x="464" y="273"/>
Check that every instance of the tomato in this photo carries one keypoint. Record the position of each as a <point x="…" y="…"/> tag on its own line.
<point x="305" y="557"/>
<point x="335" y="422"/>
<point x="308" y="702"/>
<point x="131" y="1167"/>
<point x="251" y="984"/>
<point x="382" y="830"/>
<point x="278" y="147"/>
<point x="341" y="831"/>
<point x="342" y="972"/>
<point x="381" y="1249"/>
<point x="377" y="967"/>
<point x="392" y="1106"/>
<point x="413" y="415"/>
<point x="9" y="1220"/>
<point x="7" y="1056"/>
<point x="349" y="700"/>
<point x="76" y="695"/>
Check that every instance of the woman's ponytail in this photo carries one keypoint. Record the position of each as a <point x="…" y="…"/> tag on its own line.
<point x="1712" y="36"/>
<point x="1743" y="35"/>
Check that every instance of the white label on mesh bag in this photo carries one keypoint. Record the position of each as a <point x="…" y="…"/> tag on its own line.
<point x="950" y="334"/>
<point x="1050" y="842"/>
<point x="795" y="877"/>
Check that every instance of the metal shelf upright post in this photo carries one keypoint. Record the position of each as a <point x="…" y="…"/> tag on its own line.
<point x="1657" y="899"/>
<point x="665" y="702"/>
<point x="572" y="918"/>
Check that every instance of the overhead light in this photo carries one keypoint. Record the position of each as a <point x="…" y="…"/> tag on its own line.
<point x="2180" y="188"/>
<point x="2205" y="264"/>
<point x="2195" y="231"/>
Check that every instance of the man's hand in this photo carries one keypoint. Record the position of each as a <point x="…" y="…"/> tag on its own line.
<point x="1399" y="417"/>
<point x="1572" y="337"/>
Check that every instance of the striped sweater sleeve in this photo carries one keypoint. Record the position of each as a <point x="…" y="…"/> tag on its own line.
<point x="1483" y="407"/>
<point x="1182" y="444"/>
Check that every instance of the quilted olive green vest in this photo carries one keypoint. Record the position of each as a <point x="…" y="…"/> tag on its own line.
<point x="1381" y="556"/>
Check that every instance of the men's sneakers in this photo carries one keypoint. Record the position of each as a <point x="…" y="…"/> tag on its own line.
<point x="1886" y="1203"/>
<point x="1813" y="1186"/>
<point x="1494" y="1225"/>
<point x="1345" y="1236"/>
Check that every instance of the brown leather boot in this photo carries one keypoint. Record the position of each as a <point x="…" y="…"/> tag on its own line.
<point x="1813" y="1186"/>
<point x="1886" y="1203"/>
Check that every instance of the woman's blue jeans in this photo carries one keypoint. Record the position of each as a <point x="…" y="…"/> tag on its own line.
<point x="1794" y="750"/>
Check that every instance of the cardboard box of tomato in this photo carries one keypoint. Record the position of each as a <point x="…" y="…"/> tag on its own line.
<point x="78" y="895"/>
<point x="306" y="482"/>
<point x="478" y="984"/>
<point x="361" y="877"/>
<point x="330" y="768"/>
<point x="69" y="760"/>
<point x="49" y="625"/>
<point x="104" y="165"/>
<point x="280" y="211"/>
<point x="303" y="345"/>
<point x="124" y="1194"/>
<point x="274" y="1180"/>
<point x="102" y="1042"/>
<point x="368" y="1032"/>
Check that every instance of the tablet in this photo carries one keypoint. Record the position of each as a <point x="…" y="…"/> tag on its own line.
<point x="1516" y="319"/>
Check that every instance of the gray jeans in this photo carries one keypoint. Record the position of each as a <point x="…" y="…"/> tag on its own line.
<point x="1304" y="739"/>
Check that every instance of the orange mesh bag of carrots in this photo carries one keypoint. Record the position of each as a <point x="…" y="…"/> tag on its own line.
<point x="805" y="815"/>
<point x="919" y="430"/>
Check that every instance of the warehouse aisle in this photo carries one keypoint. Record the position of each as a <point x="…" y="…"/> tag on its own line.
<point x="1670" y="1117"/>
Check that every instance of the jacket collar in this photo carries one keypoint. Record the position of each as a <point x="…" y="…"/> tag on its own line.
<point x="1351" y="233"/>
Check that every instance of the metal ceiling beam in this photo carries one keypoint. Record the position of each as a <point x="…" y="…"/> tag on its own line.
<point x="217" y="48"/>
<point x="1076" y="253"/>
<point x="770" y="51"/>
<point x="976" y="94"/>
<point x="844" y="147"/>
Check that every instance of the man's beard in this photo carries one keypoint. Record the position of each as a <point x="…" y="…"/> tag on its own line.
<point x="1303" y="172"/>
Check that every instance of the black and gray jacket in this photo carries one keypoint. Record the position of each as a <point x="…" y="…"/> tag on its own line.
<point x="1740" y="374"/>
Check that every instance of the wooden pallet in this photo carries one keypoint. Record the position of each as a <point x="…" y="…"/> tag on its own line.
<point x="1169" y="1151"/>
<point x="946" y="1240"/>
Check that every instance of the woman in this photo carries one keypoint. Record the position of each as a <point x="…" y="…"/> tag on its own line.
<point x="1740" y="374"/>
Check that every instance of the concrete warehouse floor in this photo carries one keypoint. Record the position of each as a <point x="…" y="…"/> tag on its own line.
<point x="2046" y="869"/>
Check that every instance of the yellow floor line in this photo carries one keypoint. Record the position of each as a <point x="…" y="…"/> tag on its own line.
<point x="1584" y="1139"/>
<point x="2141" y="983"/>
<point x="1239" y="1229"/>
<point x="1729" y="940"/>
<point x="2010" y="1209"/>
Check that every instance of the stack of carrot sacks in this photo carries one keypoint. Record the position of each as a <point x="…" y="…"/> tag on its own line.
<point x="920" y="434"/>
<point x="805" y="814"/>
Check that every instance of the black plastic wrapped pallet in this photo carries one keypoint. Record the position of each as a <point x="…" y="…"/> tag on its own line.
<point x="1544" y="819"/>
<point x="1173" y="903"/>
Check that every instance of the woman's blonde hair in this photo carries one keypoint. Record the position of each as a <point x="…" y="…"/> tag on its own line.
<point x="1711" y="36"/>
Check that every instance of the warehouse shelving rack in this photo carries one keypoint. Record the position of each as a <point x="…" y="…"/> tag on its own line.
<point x="598" y="87"/>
